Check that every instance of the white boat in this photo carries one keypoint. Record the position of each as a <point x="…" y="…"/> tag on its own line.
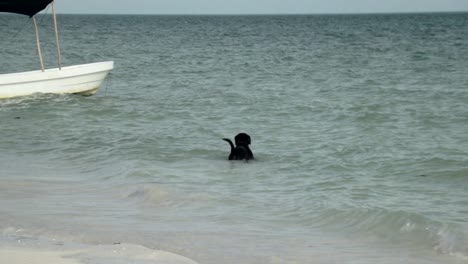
<point x="82" y="79"/>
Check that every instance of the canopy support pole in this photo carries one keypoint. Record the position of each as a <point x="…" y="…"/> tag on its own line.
<point x="59" y="56"/>
<point x="38" y="43"/>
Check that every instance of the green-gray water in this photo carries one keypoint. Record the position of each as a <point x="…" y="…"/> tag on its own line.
<point x="359" y="125"/>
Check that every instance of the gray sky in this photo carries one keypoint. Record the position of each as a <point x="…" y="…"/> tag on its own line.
<point x="256" y="6"/>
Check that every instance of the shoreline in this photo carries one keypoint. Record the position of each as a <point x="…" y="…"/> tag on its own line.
<point x="119" y="253"/>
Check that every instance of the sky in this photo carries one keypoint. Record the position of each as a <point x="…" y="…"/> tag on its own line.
<point x="257" y="6"/>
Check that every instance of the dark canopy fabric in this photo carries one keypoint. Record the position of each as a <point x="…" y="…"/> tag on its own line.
<point x="24" y="7"/>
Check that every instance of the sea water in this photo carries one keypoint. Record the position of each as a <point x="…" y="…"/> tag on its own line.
<point x="359" y="127"/>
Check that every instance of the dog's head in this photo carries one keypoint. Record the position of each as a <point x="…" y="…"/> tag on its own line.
<point x="242" y="139"/>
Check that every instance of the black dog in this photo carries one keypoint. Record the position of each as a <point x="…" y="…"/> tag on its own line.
<point x="241" y="151"/>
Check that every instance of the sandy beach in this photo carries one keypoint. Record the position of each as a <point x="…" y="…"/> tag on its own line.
<point x="24" y="256"/>
<point x="124" y="253"/>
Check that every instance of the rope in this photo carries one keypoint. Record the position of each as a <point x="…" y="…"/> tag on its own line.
<point x="108" y="83"/>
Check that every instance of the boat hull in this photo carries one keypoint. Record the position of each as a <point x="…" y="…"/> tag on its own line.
<point x="82" y="79"/>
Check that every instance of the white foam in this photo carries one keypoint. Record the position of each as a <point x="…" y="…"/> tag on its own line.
<point x="122" y="253"/>
<point x="134" y="253"/>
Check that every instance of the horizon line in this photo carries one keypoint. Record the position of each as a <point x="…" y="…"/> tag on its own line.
<point x="270" y="14"/>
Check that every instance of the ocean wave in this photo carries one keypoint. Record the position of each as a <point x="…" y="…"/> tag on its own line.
<point x="398" y="227"/>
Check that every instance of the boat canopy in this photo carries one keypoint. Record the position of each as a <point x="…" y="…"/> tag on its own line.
<point x="24" y="7"/>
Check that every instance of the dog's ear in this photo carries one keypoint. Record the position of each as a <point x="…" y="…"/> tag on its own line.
<point x="237" y="139"/>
